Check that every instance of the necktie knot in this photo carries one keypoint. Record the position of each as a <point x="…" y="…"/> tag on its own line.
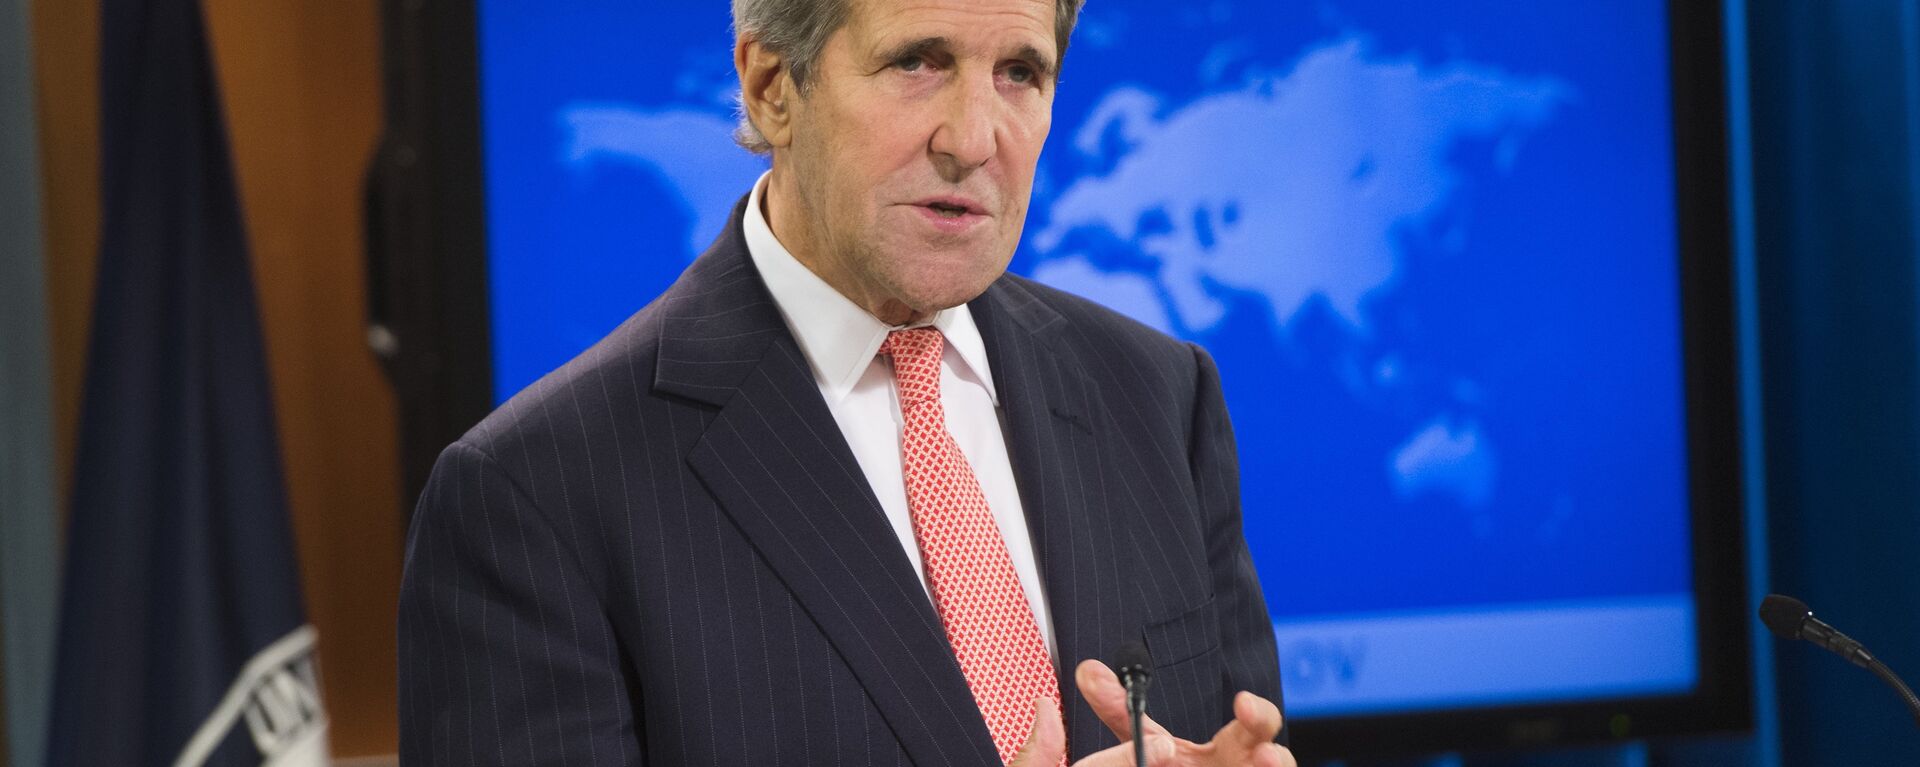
<point x="916" y="354"/>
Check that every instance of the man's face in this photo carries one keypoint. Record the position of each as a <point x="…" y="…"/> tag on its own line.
<point x="912" y="156"/>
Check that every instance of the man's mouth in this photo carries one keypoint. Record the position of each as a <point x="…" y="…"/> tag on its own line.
<point x="952" y="207"/>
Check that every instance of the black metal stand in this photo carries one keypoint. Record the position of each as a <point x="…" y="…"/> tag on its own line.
<point x="1906" y="695"/>
<point x="1138" y="713"/>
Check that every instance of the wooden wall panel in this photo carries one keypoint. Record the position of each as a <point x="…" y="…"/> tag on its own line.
<point x="66" y="69"/>
<point x="301" y="81"/>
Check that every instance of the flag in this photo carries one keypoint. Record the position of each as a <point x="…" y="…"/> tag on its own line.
<point x="182" y="637"/>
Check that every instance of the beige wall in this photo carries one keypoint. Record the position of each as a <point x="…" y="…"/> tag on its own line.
<point x="301" y="80"/>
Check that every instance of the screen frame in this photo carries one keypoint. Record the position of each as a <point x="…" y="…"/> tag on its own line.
<point x="428" y="320"/>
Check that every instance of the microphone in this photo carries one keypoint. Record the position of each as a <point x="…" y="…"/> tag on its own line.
<point x="1789" y="618"/>
<point x="1135" y="668"/>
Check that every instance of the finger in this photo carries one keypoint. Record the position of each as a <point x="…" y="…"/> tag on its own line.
<point x="1046" y="745"/>
<point x="1105" y="695"/>
<point x="1108" y="698"/>
<point x="1258" y="718"/>
<point x="1248" y="738"/>
<point x="1160" y="753"/>
<point x="1266" y="755"/>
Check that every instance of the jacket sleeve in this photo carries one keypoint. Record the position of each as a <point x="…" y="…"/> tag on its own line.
<point x="506" y="654"/>
<point x="1247" y="648"/>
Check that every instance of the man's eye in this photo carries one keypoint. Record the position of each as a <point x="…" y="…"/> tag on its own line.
<point x="910" y="64"/>
<point x="1020" y="73"/>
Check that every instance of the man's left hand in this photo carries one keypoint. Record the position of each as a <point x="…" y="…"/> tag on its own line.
<point x="1247" y="740"/>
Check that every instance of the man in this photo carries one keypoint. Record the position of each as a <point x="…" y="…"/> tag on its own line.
<point x="846" y="492"/>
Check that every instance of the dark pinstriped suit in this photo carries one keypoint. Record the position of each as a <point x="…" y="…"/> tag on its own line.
<point x="665" y="553"/>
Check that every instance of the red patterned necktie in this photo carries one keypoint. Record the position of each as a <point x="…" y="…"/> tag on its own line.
<point x="975" y="588"/>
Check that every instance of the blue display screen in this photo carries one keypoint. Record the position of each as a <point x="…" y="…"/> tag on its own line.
<point x="1432" y="246"/>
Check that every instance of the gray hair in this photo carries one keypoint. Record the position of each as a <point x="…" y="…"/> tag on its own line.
<point x="797" y="30"/>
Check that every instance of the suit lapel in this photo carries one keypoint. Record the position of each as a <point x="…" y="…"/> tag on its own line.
<point x="774" y="459"/>
<point x="1053" y="416"/>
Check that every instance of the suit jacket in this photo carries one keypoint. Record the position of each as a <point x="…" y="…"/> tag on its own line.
<point x="665" y="553"/>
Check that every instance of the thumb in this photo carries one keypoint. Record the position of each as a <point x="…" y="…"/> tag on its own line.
<point x="1046" y="746"/>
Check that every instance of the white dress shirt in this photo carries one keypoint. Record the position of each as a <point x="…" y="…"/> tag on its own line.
<point x="841" y="342"/>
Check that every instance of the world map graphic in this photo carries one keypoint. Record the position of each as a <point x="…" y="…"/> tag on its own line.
<point x="1297" y="227"/>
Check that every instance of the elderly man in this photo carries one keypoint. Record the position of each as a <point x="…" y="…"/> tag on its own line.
<point x="847" y="492"/>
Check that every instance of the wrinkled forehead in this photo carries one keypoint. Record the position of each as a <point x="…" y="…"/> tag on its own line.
<point x="999" y="28"/>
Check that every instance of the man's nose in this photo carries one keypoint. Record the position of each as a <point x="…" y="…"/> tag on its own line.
<point x="965" y="139"/>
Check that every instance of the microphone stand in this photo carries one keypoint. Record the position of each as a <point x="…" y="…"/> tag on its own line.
<point x="1893" y="680"/>
<point x="1137" y="710"/>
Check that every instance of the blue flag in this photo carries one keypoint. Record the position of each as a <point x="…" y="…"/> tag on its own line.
<point x="182" y="636"/>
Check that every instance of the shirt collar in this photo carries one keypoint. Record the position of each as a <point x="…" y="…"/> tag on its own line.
<point x="838" y="337"/>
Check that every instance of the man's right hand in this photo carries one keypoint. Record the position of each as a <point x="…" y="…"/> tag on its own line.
<point x="1047" y="745"/>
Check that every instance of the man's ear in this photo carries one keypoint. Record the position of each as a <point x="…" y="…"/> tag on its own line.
<point x="765" y="90"/>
